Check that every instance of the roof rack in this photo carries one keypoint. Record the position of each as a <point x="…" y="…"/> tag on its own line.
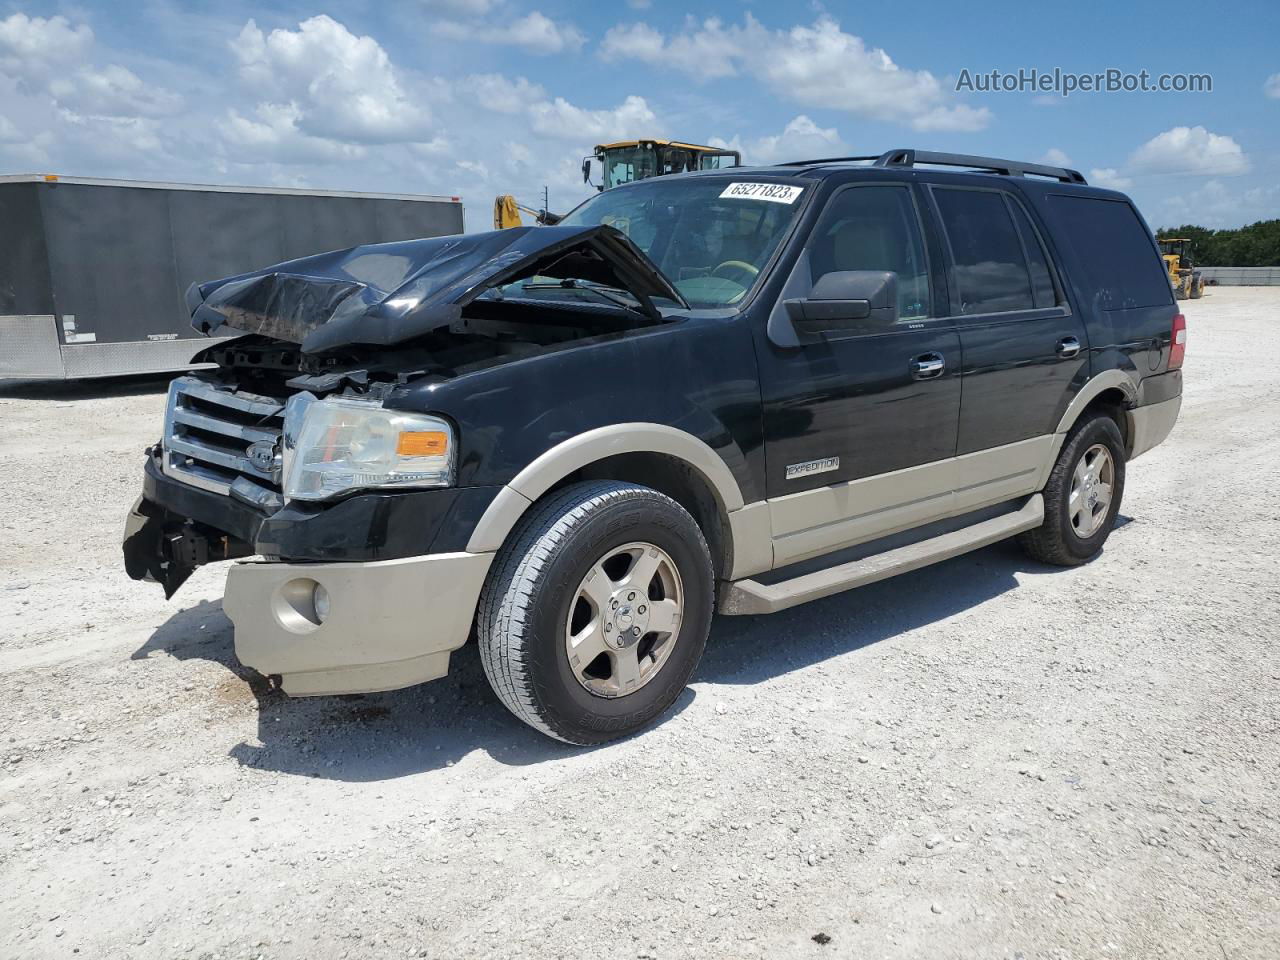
<point x="909" y="158"/>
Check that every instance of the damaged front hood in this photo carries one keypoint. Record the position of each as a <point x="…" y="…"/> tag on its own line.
<point x="387" y="293"/>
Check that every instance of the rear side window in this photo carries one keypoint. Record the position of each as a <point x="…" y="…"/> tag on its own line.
<point x="1115" y="250"/>
<point x="990" y="266"/>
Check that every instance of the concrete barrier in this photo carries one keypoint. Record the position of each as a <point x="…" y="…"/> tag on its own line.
<point x="1242" y="276"/>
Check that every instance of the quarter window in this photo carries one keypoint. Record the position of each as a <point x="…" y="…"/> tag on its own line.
<point x="1114" y="247"/>
<point x="875" y="228"/>
<point x="991" y="269"/>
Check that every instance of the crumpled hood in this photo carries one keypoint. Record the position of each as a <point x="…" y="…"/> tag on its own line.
<point x="386" y="293"/>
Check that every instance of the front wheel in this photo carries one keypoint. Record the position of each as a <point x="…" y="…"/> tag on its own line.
<point x="1082" y="497"/>
<point x="596" y="611"/>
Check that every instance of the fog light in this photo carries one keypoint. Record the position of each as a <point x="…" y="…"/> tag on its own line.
<point x="320" y="603"/>
<point x="300" y="605"/>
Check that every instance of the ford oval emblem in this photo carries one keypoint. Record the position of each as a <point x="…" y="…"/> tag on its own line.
<point x="263" y="455"/>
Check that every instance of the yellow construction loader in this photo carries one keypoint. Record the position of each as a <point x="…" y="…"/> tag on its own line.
<point x="623" y="162"/>
<point x="1186" y="280"/>
<point x="629" y="160"/>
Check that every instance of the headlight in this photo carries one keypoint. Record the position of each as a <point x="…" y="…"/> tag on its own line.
<point x="340" y="444"/>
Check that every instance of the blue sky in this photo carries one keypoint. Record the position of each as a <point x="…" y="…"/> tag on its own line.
<point x="480" y="97"/>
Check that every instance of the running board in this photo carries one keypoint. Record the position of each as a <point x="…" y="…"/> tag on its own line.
<point x="753" y="597"/>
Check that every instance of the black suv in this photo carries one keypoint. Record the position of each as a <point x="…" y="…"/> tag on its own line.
<point x="734" y="390"/>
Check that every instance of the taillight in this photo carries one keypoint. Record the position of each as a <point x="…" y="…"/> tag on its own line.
<point x="1178" y="345"/>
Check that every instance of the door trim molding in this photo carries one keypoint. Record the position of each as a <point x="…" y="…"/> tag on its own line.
<point x="813" y="522"/>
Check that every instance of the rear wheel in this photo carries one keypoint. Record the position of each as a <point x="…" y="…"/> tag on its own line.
<point x="596" y="611"/>
<point x="1083" y="495"/>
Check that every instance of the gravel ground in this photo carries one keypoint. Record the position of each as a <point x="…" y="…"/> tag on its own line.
<point x="986" y="758"/>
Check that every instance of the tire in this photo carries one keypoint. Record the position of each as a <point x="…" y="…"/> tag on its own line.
<point x="1066" y="538"/>
<point x="1197" y="289"/>
<point x="538" y="598"/>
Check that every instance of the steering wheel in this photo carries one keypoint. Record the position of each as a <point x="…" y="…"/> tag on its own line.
<point x="741" y="268"/>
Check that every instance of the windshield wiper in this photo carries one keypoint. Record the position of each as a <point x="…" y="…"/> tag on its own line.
<point x="614" y="295"/>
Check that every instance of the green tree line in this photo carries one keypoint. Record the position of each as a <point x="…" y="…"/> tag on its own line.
<point x="1257" y="245"/>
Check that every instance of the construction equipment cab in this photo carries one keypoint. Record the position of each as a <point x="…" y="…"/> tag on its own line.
<point x="1185" y="279"/>
<point x="630" y="160"/>
<point x="730" y="390"/>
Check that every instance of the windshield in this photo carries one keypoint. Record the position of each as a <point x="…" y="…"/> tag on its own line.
<point x="625" y="164"/>
<point x="710" y="237"/>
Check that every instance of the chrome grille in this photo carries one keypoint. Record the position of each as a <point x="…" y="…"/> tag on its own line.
<point x="208" y="434"/>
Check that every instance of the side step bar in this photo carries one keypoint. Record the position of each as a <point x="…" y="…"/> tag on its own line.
<point x="753" y="597"/>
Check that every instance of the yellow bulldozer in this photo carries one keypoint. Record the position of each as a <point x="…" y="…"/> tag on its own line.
<point x="623" y="162"/>
<point x="1186" y="280"/>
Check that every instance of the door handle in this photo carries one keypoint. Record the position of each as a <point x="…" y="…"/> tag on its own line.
<point x="927" y="366"/>
<point x="1068" y="347"/>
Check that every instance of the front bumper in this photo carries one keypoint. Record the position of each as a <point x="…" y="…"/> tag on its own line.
<point x="375" y="525"/>
<point x="391" y="623"/>
<point x="175" y="527"/>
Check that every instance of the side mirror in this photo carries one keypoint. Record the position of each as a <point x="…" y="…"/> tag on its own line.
<point x="846" y="300"/>
<point x="586" y="169"/>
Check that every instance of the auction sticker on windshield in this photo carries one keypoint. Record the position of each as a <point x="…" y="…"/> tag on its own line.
<point x="776" y="192"/>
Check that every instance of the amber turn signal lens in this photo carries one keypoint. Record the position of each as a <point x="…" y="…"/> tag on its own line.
<point x="422" y="443"/>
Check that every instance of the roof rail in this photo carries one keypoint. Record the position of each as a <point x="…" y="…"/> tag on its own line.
<point x="811" y="163"/>
<point x="909" y="158"/>
<point x="1012" y="168"/>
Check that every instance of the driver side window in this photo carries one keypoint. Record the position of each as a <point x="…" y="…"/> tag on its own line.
<point x="875" y="228"/>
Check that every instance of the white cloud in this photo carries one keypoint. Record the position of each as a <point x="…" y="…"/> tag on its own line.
<point x="535" y="33"/>
<point x="435" y="147"/>
<point x="958" y="118"/>
<point x="32" y="46"/>
<point x="495" y="92"/>
<point x="704" y="50"/>
<point x="113" y="90"/>
<point x="474" y="167"/>
<point x="119" y="136"/>
<point x="95" y="115"/>
<point x="1110" y="178"/>
<point x="639" y="4"/>
<point x="9" y="133"/>
<point x="1272" y="87"/>
<point x="29" y="154"/>
<point x="560" y="118"/>
<point x="801" y="139"/>
<point x="273" y="134"/>
<point x="475" y="8"/>
<point x="1055" y="158"/>
<point x="1190" y="150"/>
<point x="823" y="66"/>
<point x="817" y="65"/>
<point x="633" y="41"/>
<point x="1215" y="204"/>
<point x="339" y="86"/>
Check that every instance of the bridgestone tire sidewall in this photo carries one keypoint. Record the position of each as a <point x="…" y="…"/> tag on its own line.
<point x="570" y="708"/>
